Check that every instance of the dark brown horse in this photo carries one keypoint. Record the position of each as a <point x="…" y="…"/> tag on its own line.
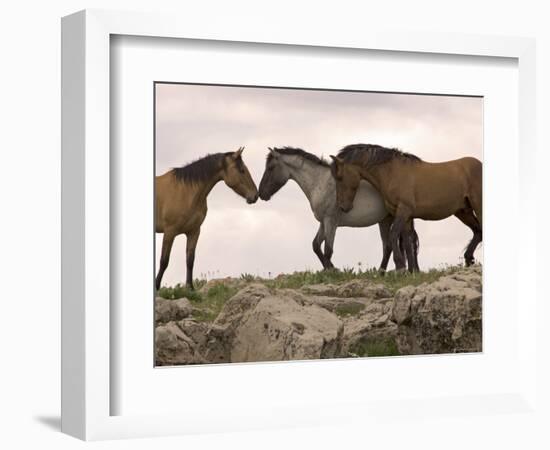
<point x="412" y="188"/>
<point x="180" y="206"/>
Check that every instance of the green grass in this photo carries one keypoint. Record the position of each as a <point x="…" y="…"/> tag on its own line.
<point x="375" y="347"/>
<point x="392" y="280"/>
<point x="249" y="278"/>
<point x="212" y="303"/>
<point x="180" y="291"/>
<point x="207" y="305"/>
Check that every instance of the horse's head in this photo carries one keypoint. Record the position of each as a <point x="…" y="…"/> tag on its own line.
<point x="237" y="176"/>
<point x="347" y="178"/>
<point x="275" y="176"/>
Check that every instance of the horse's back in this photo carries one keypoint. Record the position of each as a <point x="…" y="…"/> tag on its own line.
<point x="461" y="171"/>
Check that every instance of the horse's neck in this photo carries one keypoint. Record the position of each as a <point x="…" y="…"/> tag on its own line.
<point x="312" y="178"/>
<point x="375" y="174"/>
<point x="203" y="188"/>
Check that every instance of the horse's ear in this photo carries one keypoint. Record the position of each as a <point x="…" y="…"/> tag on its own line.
<point x="273" y="151"/>
<point x="238" y="153"/>
<point x="337" y="160"/>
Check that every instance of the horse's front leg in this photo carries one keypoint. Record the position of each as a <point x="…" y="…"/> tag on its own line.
<point x="316" y="244"/>
<point x="330" y="234"/>
<point x="192" y="239"/>
<point x="385" y="226"/>
<point x="167" y="241"/>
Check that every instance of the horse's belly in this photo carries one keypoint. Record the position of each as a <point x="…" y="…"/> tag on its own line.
<point x="368" y="209"/>
<point x="439" y="208"/>
<point x="179" y="223"/>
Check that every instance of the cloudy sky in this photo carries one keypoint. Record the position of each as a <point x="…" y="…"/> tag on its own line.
<point x="275" y="236"/>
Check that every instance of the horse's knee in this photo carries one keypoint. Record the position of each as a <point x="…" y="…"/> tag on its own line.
<point x="316" y="245"/>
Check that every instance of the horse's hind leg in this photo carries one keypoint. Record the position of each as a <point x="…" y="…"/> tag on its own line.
<point x="415" y="245"/>
<point x="397" y="227"/>
<point x="192" y="239"/>
<point x="385" y="226"/>
<point x="167" y="241"/>
<point x="475" y="191"/>
<point x="316" y="244"/>
<point x="329" y="226"/>
<point x="408" y="240"/>
<point x="467" y="217"/>
<point x="477" y="204"/>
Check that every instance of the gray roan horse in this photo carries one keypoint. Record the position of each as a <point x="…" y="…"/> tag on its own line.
<point x="314" y="177"/>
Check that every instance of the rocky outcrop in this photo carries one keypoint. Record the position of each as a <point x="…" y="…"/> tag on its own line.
<point x="441" y="317"/>
<point x="171" y="310"/>
<point x="357" y="318"/>
<point x="236" y="311"/>
<point x="353" y="288"/>
<point x="257" y="325"/>
<point x="372" y="325"/>
<point x="280" y="328"/>
<point x="180" y="342"/>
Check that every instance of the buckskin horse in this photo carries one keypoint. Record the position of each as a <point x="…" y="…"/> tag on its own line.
<point x="412" y="188"/>
<point x="313" y="176"/>
<point x="180" y="206"/>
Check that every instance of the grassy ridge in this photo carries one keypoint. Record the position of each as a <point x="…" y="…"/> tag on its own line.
<point x="392" y="280"/>
<point x="209" y="304"/>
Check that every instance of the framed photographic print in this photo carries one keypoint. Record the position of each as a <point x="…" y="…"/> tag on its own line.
<point x="256" y="224"/>
<point x="259" y="293"/>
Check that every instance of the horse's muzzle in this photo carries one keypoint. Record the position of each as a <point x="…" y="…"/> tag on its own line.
<point x="251" y="200"/>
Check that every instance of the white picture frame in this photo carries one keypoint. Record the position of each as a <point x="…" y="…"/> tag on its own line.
<point x="86" y="175"/>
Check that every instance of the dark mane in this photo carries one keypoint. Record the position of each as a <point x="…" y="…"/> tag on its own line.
<point x="371" y="154"/>
<point x="299" y="152"/>
<point x="201" y="169"/>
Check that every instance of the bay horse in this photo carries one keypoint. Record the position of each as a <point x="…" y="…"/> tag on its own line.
<point x="180" y="200"/>
<point x="312" y="174"/>
<point x="412" y="188"/>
